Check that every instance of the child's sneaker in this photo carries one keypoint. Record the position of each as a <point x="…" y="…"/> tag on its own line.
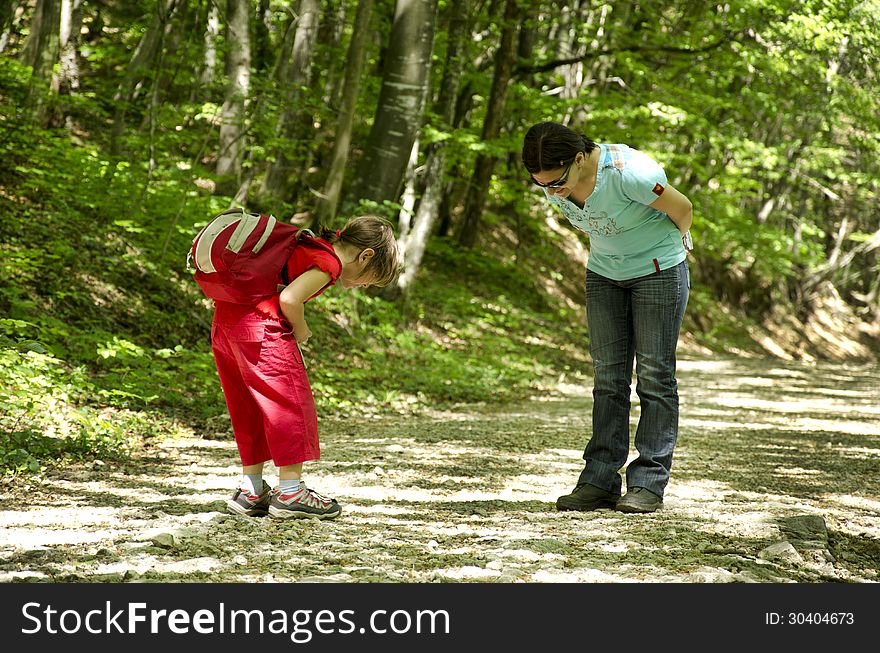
<point x="303" y="503"/>
<point x="250" y="505"/>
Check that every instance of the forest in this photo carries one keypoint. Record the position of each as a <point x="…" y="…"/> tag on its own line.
<point x="125" y="126"/>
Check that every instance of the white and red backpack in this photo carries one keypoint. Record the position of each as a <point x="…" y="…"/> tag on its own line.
<point x="241" y="257"/>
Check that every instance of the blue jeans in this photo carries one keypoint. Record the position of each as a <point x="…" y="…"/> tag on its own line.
<point x="638" y="318"/>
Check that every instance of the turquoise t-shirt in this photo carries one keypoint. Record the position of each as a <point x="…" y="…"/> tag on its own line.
<point x="628" y="238"/>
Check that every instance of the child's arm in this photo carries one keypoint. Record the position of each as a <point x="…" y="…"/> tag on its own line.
<point x="295" y="295"/>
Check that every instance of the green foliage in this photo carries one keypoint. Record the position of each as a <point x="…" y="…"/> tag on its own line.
<point x="40" y="421"/>
<point x="29" y="452"/>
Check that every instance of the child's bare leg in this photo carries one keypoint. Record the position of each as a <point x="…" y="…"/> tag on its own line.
<point x="290" y="472"/>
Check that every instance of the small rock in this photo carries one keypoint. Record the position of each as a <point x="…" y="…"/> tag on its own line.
<point x="783" y="551"/>
<point x="165" y="540"/>
<point x="378" y="471"/>
<point x="809" y="531"/>
<point x="394" y="448"/>
<point x="239" y="560"/>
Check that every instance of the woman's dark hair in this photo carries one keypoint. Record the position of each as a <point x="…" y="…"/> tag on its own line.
<point x="551" y="145"/>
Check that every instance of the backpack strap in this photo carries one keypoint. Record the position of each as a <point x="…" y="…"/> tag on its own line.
<point x="243" y="230"/>
<point x="285" y="277"/>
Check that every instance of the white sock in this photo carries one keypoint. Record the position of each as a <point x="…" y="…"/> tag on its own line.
<point x="253" y="483"/>
<point x="288" y="486"/>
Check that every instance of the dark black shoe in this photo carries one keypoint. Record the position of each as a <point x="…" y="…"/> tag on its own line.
<point x="587" y="497"/>
<point x="638" y="499"/>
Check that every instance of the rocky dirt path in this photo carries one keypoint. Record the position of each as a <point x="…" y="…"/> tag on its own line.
<point x="775" y="479"/>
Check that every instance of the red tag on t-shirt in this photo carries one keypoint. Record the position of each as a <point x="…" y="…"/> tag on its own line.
<point x="657" y="190"/>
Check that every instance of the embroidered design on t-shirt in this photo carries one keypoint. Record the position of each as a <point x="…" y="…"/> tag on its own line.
<point x="595" y="223"/>
<point x="658" y="189"/>
<point x="599" y="224"/>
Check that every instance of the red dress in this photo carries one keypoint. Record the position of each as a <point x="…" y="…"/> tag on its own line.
<point x="264" y="380"/>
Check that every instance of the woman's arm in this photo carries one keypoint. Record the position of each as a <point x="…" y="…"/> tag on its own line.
<point x="294" y="297"/>
<point x="677" y="207"/>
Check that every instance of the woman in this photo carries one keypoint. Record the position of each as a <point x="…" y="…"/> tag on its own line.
<point x="637" y="289"/>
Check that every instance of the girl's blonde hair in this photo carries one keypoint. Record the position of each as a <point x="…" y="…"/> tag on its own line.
<point x="376" y="233"/>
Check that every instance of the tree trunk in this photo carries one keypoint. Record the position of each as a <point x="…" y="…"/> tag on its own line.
<point x="528" y="38"/>
<point x="327" y="85"/>
<point x="416" y="242"/>
<point x="293" y="75"/>
<point x="137" y="71"/>
<point x="485" y="164"/>
<point x="71" y="23"/>
<point x="357" y="50"/>
<point x="41" y="52"/>
<point x="262" y="41"/>
<point x="408" y="198"/>
<point x="31" y="47"/>
<point x="401" y="102"/>
<point x="7" y="18"/>
<point x="232" y="114"/>
<point x="212" y="35"/>
<point x="177" y="33"/>
<point x="6" y="9"/>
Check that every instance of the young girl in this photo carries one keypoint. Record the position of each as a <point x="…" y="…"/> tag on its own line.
<point x="264" y="379"/>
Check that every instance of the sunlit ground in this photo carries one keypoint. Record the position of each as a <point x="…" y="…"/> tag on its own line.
<point x="468" y="495"/>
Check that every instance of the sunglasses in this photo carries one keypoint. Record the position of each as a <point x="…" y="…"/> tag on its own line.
<point x="556" y="183"/>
